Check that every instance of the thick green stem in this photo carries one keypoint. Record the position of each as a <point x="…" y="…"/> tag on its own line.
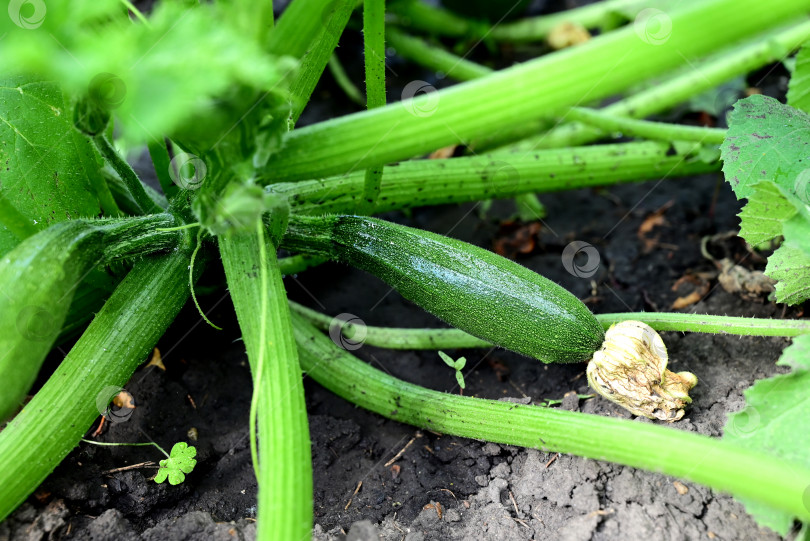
<point x="716" y="464"/>
<point x="374" y="48"/>
<point x="434" y="57"/>
<point x="702" y="76"/>
<point x="120" y="338"/>
<point x="284" y="469"/>
<point x="146" y="204"/>
<point x="400" y="338"/>
<point x="331" y="22"/>
<point x="659" y="131"/>
<point x="433" y="182"/>
<point x="431" y="20"/>
<point x="343" y="81"/>
<point x="538" y="88"/>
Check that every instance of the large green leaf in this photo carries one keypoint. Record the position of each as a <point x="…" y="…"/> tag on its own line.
<point x="767" y="161"/>
<point x="766" y="140"/>
<point x="798" y="94"/>
<point x="46" y="164"/>
<point x="775" y="421"/>
<point x="762" y="217"/>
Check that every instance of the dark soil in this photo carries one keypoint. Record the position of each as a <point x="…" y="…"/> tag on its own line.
<point x="440" y="487"/>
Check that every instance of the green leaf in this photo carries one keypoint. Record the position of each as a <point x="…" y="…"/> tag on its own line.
<point x="762" y="217"/>
<point x="766" y="140"/>
<point x="790" y="267"/>
<point x="46" y="164"/>
<point x="161" y="78"/>
<point x="798" y="94"/>
<point x="460" y="379"/>
<point x="448" y="360"/>
<point x="180" y="462"/>
<point x="460" y="363"/>
<point x="775" y="421"/>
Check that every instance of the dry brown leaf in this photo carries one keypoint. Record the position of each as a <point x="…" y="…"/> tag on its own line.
<point x="567" y="34"/>
<point x="156" y="360"/>
<point x="443" y="153"/>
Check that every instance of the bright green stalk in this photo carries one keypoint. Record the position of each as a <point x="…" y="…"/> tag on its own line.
<point x="605" y="65"/>
<point x="434" y="21"/>
<point x="659" y="131"/>
<point x="298" y="27"/>
<point x="397" y="338"/>
<point x="145" y="203"/>
<point x="714" y="463"/>
<point x="333" y="22"/>
<point x="119" y="339"/>
<point x="343" y="81"/>
<point x="374" y="48"/>
<point x="298" y="263"/>
<point x="705" y="75"/>
<point x="432" y="182"/>
<point x="284" y="467"/>
<point x="591" y="16"/>
<point x="160" y="159"/>
<point x="434" y="57"/>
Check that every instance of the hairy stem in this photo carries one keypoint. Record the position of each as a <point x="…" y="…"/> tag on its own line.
<point x="714" y="463"/>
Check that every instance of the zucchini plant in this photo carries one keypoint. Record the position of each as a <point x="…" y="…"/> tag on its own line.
<point x="214" y="92"/>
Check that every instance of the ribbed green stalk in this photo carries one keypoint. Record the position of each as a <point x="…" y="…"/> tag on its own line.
<point x="433" y="182"/>
<point x="591" y="16"/>
<point x="605" y="65"/>
<point x="700" y="77"/>
<point x="399" y="338"/>
<point x="146" y="204"/>
<point x="284" y="469"/>
<point x="659" y="131"/>
<point x="374" y="49"/>
<point x="434" y="57"/>
<point x="332" y="22"/>
<point x="714" y="463"/>
<point x="434" y="21"/>
<point x="116" y="342"/>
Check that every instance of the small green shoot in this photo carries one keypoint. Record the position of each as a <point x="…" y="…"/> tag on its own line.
<point x="457" y="365"/>
<point x="180" y="463"/>
<point x="174" y="467"/>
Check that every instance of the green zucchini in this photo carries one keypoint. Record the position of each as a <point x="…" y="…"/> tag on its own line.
<point x="475" y="290"/>
<point x="38" y="279"/>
